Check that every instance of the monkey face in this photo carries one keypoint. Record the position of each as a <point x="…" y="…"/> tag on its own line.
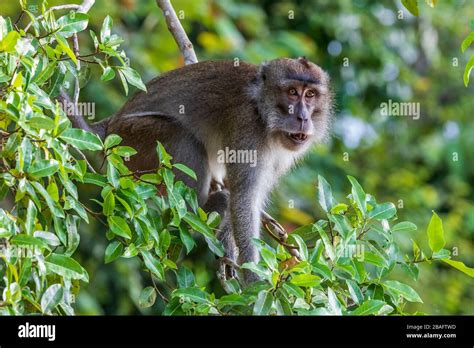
<point x="297" y="100"/>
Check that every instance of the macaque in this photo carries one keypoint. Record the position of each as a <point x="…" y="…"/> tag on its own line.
<point x="241" y="126"/>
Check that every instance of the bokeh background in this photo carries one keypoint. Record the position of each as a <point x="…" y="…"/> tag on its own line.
<point x="372" y="56"/>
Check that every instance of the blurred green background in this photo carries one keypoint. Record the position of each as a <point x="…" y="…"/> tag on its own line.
<point x="372" y="56"/>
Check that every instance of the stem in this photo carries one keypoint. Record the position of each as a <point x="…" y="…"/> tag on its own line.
<point x="163" y="297"/>
<point x="176" y="29"/>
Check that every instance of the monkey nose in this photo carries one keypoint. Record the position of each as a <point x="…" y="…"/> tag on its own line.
<point x="302" y="118"/>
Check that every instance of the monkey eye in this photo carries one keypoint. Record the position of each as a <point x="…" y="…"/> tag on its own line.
<point x="293" y="91"/>
<point x="310" y="94"/>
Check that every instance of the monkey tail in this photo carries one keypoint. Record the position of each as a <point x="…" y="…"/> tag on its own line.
<point x="78" y="121"/>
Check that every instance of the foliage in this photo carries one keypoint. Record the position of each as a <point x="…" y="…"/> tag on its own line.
<point x="41" y="166"/>
<point x="412" y="6"/>
<point x="345" y="266"/>
<point x="45" y="176"/>
<point x="464" y="45"/>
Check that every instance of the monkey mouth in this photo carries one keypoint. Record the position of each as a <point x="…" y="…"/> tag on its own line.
<point x="298" y="138"/>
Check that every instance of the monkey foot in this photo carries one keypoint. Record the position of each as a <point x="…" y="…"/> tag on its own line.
<point x="227" y="269"/>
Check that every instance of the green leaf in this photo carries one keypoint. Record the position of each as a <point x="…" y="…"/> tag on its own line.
<point x="147" y="297"/>
<point x="435" y="233"/>
<point x="51" y="298"/>
<point x="25" y="155"/>
<point x="374" y="259"/>
<point x="257" y="269"/>
<point x="307" y="280"/>
<point x="334" y="303"/>
<point x="130" y="251"/>
<point x="124" y="151"/>
<point x="81" y="139"/>
<point x="8" y="43"/>
<point x="467" y="70"/>
<point x="354" y="291"/>
<point x="48" y="237"/>
<point x="358" y="194"/>
<point x="163" y="156"/>
<point x="108" y="74"/>
<point x="325" y="197"/>
<point x="106" y="29"/>
<point x="52" y="205"/>
<point x="263" y="303"/>
<point x="194" y="294"/>
<point x="383" y="211"/>
<point x="339" y="208"/>
<point x="72" y="23"/>
<point x="269" y="258"/>
<point x="232" y="300"/>
<point x="109" y="204"/>
<point x="404" y="226"/>
<point x="66" y="267"/>
<point x="186" y="238"/>
<point x="185" y="278"/>
<point x="112" y="140"/>
<point x="301" y="246"/>
<point x="42" y="168"/>
<point x="215" y="246"/>
<point x="133" y="78"/>
<point x="113" y="251"/>
<point x="460" y="266"/>
<point x="46" y="74"/>
<point x="213" y="220"/>
<point x="23" y="239"/>
<point x="95" y="179"/>
<point x="188" y="171"/>
<point x="73" y="237"/>
<point x="403" y="290"/>
<point x="412" y="6"/>
<point x="368" y="307"/>
<point x="30" y="217"/>
<point x="65" y="47"/>
<point x="153" y="265"/>
<point x="119" y="227"/>
<point x="411" y="270"/>
<point x="467" y="41"/>
<point x="113" y="175"/>
<point x="328" y="247"/>
<point x="198" y="225"/>
<point x="123" y="80"/>
<point x="441" y="254"/>
<point x="41" y="122"/>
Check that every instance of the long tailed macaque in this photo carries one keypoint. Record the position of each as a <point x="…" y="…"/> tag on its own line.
<point x="240" y="124"/>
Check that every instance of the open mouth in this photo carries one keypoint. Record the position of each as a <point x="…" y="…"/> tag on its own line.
<point x="298" y="138"/>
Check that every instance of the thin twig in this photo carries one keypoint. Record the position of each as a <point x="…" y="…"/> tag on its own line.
<point x="75" y="43"/>
<point x="86" y="6"/>
<point x="91" y="168"/>
<point x="176" y="29"/>
<point x="163" y="297"/>
<point x="96" y="215"/>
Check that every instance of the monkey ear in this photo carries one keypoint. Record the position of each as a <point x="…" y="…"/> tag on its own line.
<point x="263" y="71"/>
<point x="303" y="61"/>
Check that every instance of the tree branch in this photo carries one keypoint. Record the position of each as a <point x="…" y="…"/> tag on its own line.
<point x="86" y="6"/>
<point x="176" y="29"/>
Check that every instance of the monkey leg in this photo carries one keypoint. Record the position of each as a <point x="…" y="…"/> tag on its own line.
<point x="143" y="132"/>
<point x="219" y="202"/>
